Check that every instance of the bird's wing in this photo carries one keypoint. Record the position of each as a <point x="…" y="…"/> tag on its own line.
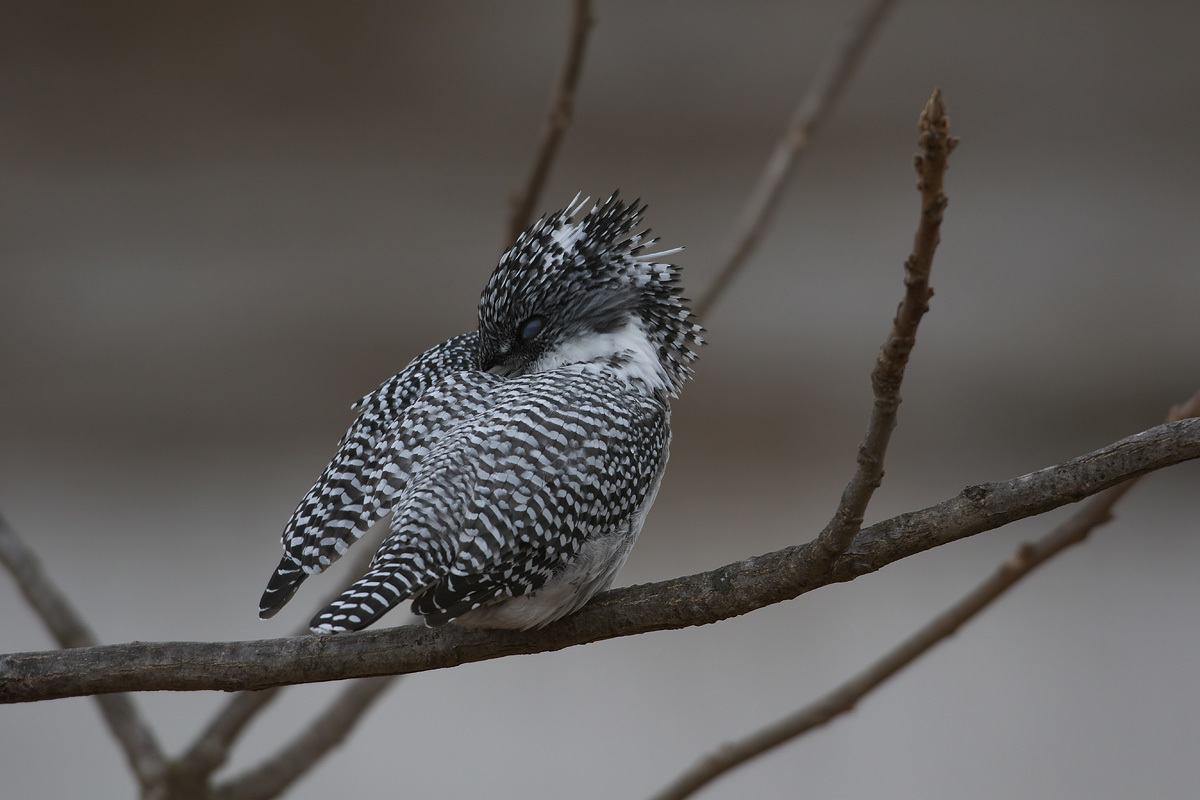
<point x="358" y="486"/>
<point x="505" y="499"/>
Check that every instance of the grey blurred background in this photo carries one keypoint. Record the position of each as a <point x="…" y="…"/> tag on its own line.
<point x="223" y="224"/>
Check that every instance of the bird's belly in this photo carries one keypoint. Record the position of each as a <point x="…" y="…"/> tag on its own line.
<point x="592" y="570"/>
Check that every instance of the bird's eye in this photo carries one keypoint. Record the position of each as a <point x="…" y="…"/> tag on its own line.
<point x="530" y="328"/>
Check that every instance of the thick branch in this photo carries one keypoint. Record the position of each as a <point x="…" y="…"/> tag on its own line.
<point x="558" y="118"/>
<point x="66" y="625"/>
<point x="835" y="72"/>
<point x="682" y="602"/>
<point x="1096" y="512"/>
<point x="936" y="145"/>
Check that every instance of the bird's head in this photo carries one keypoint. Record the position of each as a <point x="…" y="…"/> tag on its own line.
<point x="582" y="291"/>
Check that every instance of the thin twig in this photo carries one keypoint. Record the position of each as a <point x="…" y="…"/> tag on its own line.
<point x="832" y="78"/>
<point x="66" y="625"/>
<point x="273" y="777"/>
<point x="936" y="145"/>
<point x="558" y="118"/>
<point x="210" y="750"/>
<point x="1188" y="409"/>
<point x="1028" y="557"/>
<point x="699" y="599"/>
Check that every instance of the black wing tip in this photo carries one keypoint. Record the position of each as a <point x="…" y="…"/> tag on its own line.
<point x="271" y="603"/>
<point x="280" y="589"/>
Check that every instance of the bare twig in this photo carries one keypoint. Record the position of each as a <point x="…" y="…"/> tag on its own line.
<point x="558" y="118"/>
<point x="273" y="777"/>
<point x="211" y="748"/>
<point x="814" y="108"/>
<point x="700" y="599"/>
<point x="66" y="625"/>
<point x="1186" y="410"/>
<point x="1027" y="558"/>
<point x="936" y="145"/>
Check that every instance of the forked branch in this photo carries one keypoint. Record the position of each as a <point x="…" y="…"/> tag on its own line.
<point x="276" y="774"/>
<point x="1096" y="512"/>
<point x="936" y="145"/>
<point x="66" y="625"/>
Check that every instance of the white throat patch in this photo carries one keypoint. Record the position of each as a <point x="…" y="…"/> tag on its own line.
<point x="640" y="365"/>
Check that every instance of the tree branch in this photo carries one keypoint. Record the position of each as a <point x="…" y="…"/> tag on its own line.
<point x="835" y="72"/>
<point x="700" y="599"/>
<point x="275" y="775"/>
<point x="936" y="145"/>
<point x="558" y="118"/>
<point x="66" y="625"/>
<point x="210" y="750"/>
<point x="1025" y="560"/>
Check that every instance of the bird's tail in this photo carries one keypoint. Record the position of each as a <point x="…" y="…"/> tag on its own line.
<point x="374" y="594"/>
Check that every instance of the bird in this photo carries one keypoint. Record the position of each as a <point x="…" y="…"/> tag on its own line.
<point x="518" y="461"/>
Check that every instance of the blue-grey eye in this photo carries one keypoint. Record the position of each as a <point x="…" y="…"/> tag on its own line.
<point x="530" y="328"/>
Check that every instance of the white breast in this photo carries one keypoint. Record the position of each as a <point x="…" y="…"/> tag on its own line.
<point x="640" y="369"/>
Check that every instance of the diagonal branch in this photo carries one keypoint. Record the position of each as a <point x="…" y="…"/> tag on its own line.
<point x="700" y="599"/>
<point x="211" y="748"/>
<point x="275" y="775"/>
<point x="562" y="104"/>
<point x="1027" y="558"/>
<point x="936" y="145"/>
<point x="812" y="112"/>
<point x="65" y="624"/>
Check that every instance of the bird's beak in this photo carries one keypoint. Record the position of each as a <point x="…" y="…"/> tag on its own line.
<point x="508" y="368"/>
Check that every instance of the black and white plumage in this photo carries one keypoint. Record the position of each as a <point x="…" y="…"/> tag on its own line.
<point x="518" y="462"/>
